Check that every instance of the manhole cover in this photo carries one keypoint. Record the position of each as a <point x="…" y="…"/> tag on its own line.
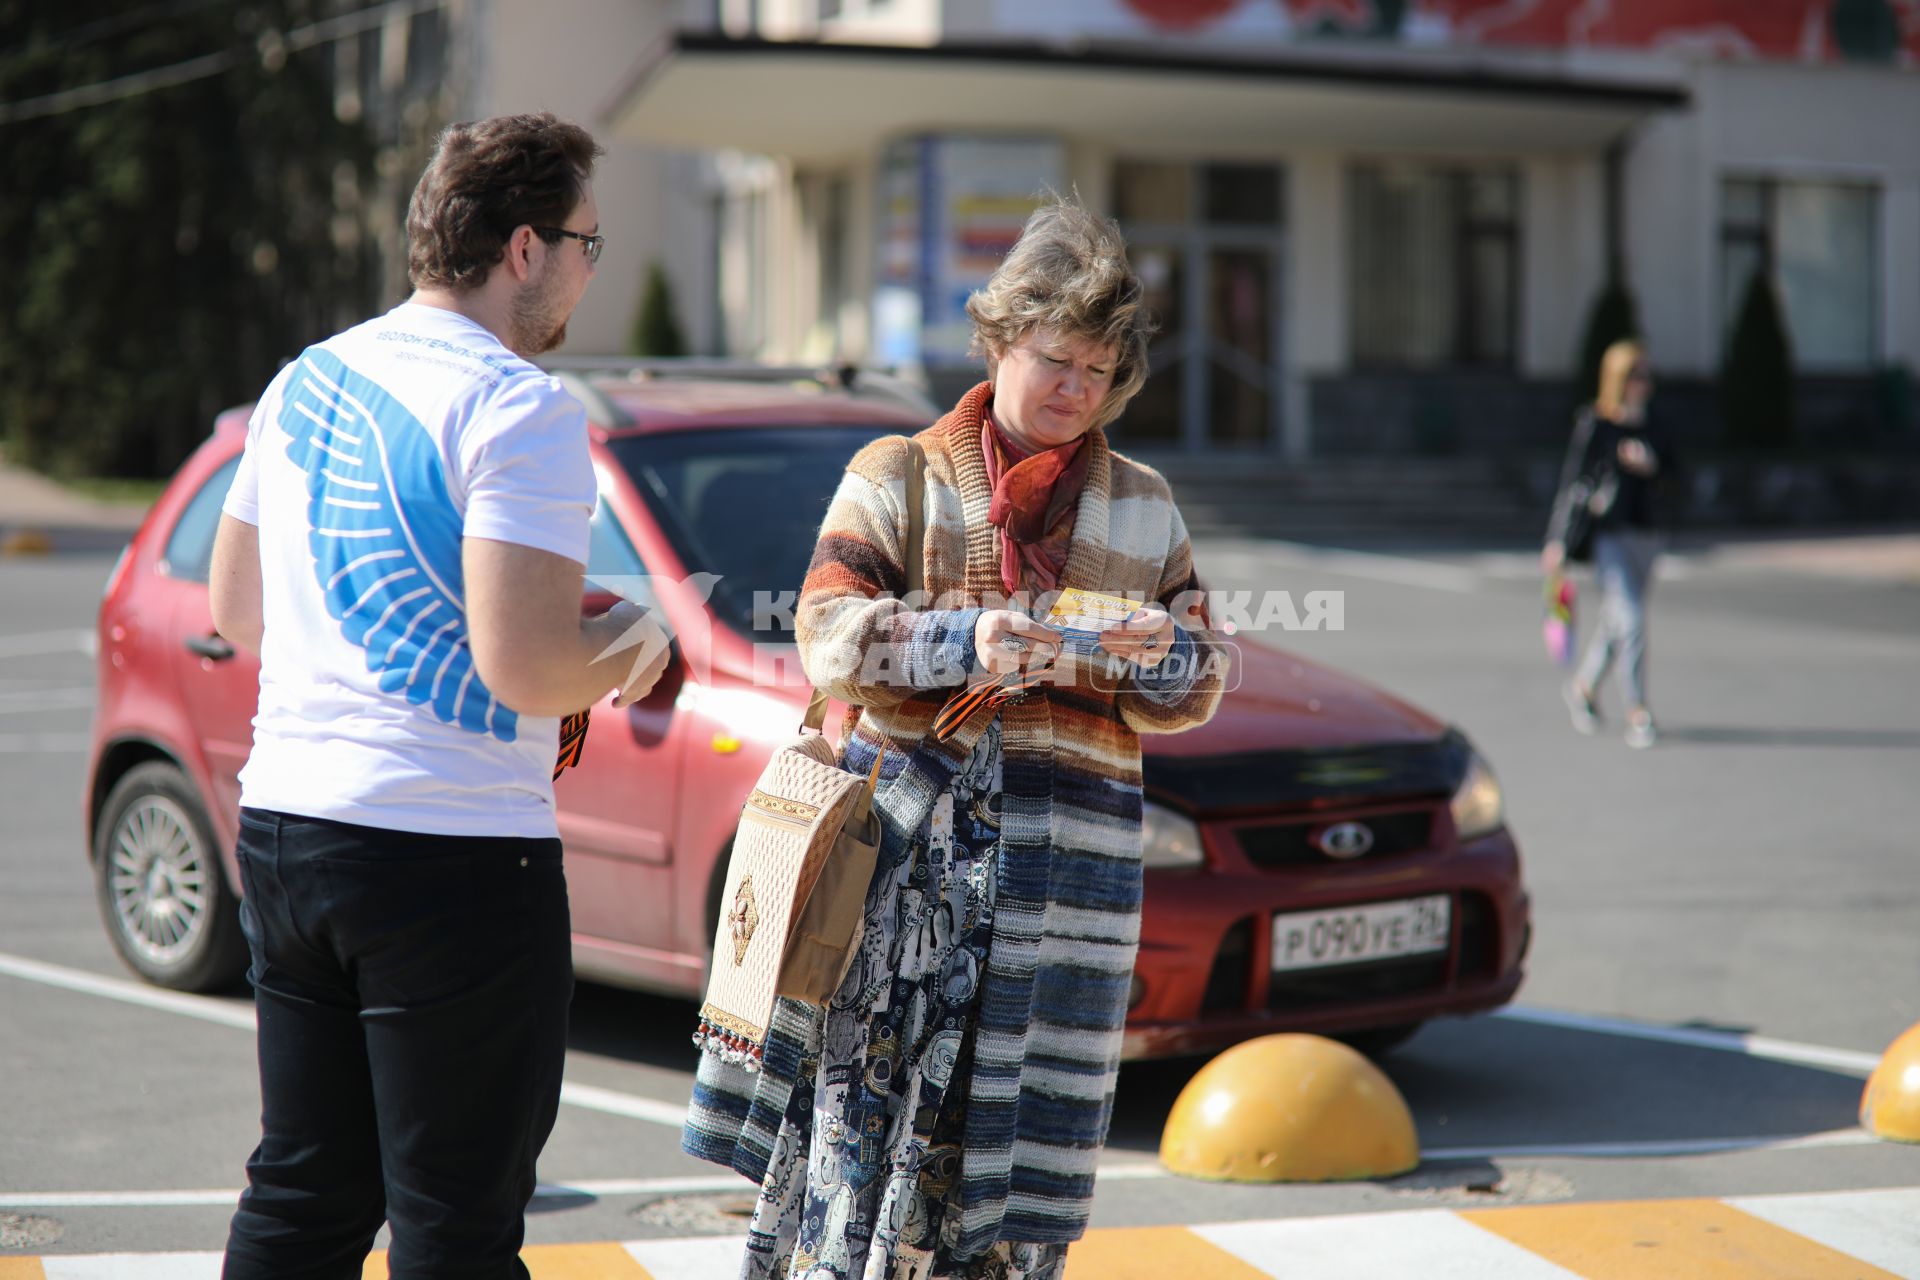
<point x="24" y="1231"/>
<point x="1486" y="1184"/>
<point x="716" y="1215"/>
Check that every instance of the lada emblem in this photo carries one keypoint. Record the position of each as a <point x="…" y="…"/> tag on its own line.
<point x="1343" y="840"/>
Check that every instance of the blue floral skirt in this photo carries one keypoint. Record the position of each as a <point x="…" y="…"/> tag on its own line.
<point x="864" y="1183"/>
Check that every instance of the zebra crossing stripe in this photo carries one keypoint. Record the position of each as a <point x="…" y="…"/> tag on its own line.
<point x="1698" y="1239"/>
<point x="1844" y="1235"/>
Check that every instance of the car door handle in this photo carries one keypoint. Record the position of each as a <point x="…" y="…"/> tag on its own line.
<point x="212" y="647"/>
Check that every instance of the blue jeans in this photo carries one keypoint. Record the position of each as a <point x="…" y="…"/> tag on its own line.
<point x="1623" y="561"/>
<point x="412" y="993"/>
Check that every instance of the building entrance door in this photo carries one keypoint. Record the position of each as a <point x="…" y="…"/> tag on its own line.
<point x="1209" y="245"/>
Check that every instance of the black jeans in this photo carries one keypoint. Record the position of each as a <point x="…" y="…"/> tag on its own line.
<point x="412" y="993"/>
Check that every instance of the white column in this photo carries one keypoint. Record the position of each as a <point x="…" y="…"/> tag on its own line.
<point x="1900" y="270"/>
<point x="1315" y="306"/>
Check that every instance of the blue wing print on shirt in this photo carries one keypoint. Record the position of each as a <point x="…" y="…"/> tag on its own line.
<point x="386" y="540"/>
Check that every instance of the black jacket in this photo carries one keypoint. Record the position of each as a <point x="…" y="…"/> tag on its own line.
<point x="1613" y="497"/>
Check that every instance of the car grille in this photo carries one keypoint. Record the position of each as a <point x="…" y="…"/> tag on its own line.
<point x="1287" y="844"/>
<point x="1227" y="981"/>
<point x="1381" y="981"/>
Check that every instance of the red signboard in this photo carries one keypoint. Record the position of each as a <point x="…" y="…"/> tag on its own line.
<point x="1799" y="30"/>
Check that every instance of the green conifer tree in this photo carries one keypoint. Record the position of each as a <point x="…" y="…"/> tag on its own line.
<point x="656" y="327"/>
<point x="1756" y="381"/>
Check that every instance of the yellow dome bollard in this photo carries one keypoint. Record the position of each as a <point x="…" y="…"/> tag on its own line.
<point x="1890" y="1104"/>
<point x="1289" y="1108"/>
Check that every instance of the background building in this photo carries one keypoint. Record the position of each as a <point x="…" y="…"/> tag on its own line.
<point x="1369" y="226"/>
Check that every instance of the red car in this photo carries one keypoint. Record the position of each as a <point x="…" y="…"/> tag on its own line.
<point x="1320" y="857"/>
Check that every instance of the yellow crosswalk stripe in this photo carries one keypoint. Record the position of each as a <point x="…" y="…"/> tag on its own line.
<point x="21" y="1269"/>
<point x="545" y="1261"/>
<point x="1152" y="1253"/>
<point x="1669" y="1240"/>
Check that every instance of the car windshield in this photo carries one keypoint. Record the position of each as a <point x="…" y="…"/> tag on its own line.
<point x="746" y="504"/>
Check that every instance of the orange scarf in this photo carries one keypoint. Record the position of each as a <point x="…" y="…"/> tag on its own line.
<point x="1035" y="499"/>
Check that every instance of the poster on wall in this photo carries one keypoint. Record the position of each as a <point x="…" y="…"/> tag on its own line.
<point x="950" y="208"/>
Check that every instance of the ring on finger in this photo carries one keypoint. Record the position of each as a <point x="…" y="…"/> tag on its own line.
<point x="1151" y="642"/>
<point x="1013" y="644"/>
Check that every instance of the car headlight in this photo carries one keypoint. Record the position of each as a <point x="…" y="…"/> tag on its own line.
<point x="1170" y="839"/>
<point x="1478" y="809"/>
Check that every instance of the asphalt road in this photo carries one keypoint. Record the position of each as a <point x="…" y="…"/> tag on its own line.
<point x="1754" y="874"/>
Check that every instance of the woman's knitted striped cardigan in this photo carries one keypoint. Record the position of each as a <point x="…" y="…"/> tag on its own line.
<point x="1067" y="912"/>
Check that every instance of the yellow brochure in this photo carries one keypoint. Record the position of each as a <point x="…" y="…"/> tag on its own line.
<point x="1088" y="613"/>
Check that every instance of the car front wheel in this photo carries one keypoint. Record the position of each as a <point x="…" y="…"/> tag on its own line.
<point x="161" y="888"/>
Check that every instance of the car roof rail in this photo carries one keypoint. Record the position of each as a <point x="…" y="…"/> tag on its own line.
<point x="599" y="408"/>
<point x="904" y="384"/>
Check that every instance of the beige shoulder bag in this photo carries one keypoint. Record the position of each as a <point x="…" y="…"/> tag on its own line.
<point x="796" y="889"/>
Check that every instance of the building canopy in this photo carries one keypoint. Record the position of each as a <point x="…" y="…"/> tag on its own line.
<point x="817" y="101"/>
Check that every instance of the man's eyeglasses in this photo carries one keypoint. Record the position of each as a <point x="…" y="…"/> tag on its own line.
<point x="589" y="245"/>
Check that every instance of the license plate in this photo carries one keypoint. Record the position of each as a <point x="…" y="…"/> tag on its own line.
<point x="1352" y="935"/>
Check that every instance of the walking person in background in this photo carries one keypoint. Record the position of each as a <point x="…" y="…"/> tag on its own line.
<point x="403" y="546"/>
<point x="1610" y="508"/>
<point x="942" y="1117"/>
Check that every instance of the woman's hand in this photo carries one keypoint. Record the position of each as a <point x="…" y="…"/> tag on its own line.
<point x="1005" y="640"/>
<point x="1637" y="458"/>
<point x="1143" y="638"/>
<point x="1552" y="556"/>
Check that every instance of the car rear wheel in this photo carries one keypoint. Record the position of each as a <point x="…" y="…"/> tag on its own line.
<point x="161" y="888"/>
<point x="1377" y="1041"/>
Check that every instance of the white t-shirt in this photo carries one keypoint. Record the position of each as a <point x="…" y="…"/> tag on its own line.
<point x="368" y="459"/>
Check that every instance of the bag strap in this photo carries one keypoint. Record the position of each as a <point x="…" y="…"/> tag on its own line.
<point x="915" y="555"/>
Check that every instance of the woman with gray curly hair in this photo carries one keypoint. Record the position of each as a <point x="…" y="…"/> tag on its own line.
<point x="942" y="1116"/>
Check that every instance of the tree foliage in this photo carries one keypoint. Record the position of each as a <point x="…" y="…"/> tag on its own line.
<point x="656" y="328"/>
<point x="173" y="248"/>
<point x="1756" y="382"/>
<point x="1612" y="318"/>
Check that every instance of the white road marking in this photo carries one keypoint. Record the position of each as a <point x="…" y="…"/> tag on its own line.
<point x="1654" y="1149"/>
<point x="1433" y="1244"/>
<point x="227" y="1197"/>
<point x="1403" y="570"/>
<point x="1880" y="1227"/>
<point x="688" y="1259"/>
<point x="45" y="700"/>
<point x="593" y="1098"/>
<point x="37" y="643"/>
<point x="1846" y="1061"/>
<point x="34" y="744"/>
<point x="673" y="1115"/>
<point x="226" y="1013"/>
<point x="118" y="1266"/>
<point x="205" y="1008"/>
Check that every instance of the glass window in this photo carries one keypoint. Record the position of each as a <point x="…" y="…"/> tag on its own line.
<point x="189" y="555"/>
<point x="1819" y="242"/>
<point x="1151" y="192"/>
<point x="1823" y="253"/>
<point x="1434" y="263"/>
<point x="744" y="504"/>
<point x="610" y="553"/>
<point x="1244" y="194"/>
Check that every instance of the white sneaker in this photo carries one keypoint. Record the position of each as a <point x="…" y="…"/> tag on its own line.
<point x="1580" y="707"/>
<point x="1641" y="734"/>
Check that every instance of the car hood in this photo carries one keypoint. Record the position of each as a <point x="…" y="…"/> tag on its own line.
<point x="1293" y="733"/>
<point x="1280" y="701"/>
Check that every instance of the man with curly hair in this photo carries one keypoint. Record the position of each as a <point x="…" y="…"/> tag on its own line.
<point x="403" y="546"/>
